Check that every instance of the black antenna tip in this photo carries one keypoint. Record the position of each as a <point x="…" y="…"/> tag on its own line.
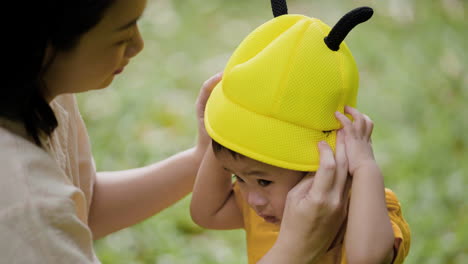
<point x="346" y="24"/>
<point x="279" y="7"/>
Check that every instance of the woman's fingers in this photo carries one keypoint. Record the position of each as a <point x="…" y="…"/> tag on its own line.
<point x="302" y="188"/>
<point x="205" y="92"/>
<point x="341" y="164"/>
<point x="346" y="190"/>
<point x="325" y="176"/>
<point x="316" y="206"/>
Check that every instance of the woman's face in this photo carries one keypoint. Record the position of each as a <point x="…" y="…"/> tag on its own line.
<point x="100" y="54"/>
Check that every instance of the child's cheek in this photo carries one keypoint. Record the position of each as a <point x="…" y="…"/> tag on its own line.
<point x="280" y="202"/>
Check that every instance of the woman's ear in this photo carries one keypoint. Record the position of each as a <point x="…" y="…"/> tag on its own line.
<point x="47" y="60"/>
<point x="49" y="55"/>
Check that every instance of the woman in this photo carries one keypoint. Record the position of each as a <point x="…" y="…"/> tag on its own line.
<point x="52" y="202"/>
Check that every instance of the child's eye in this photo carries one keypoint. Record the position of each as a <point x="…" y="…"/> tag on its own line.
<point x="239" y="179"/>
<point x="263" y="183"/>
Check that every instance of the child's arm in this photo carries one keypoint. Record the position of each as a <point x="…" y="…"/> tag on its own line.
<point x="213" y="202"/>
<point x="369" y="236"/>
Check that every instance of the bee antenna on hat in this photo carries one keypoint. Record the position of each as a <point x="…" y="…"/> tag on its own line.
<point x="345" y="25"/>
<point x="279" y="7"/>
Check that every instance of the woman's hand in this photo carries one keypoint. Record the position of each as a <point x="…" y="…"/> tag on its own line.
<point x="315" y="210"/>
<point x="205" y="91"/>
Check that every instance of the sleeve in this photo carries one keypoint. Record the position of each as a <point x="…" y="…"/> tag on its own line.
<point x="86" y="167"/>
<point x="400" y="227"/>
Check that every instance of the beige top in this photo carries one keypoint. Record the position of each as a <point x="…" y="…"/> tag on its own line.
<point x="45" y="196"/>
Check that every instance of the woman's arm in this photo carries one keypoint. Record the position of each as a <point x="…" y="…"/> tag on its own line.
<point x="369" y="235"/>
<point x="124" y="198"/>
<point x="213" y="201"/>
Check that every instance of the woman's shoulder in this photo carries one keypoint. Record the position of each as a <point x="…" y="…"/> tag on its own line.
<point x="17" y="149"/>
<point x="39" y="208"/>
<point x="26" y="170"/>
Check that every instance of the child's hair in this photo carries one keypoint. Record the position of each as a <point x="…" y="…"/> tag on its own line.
<point x="218" y="148"/>
<point x="55" y="24"/>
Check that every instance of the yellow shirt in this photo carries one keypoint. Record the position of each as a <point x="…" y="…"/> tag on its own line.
<point x="262" y="235"/>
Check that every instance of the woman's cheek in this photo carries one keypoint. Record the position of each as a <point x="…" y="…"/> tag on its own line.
<point x="115" y="59"/>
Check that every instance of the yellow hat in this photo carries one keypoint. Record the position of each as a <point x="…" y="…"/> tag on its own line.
<point x="279" y="92"/>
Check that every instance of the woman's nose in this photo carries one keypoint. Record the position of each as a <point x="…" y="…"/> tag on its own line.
<point x="256" y="199"/>
<point x="135" y="46"/>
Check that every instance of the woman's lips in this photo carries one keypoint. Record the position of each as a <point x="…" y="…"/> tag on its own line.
<point x="119" y="70"/>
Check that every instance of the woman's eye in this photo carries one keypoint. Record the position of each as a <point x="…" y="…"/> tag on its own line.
<point x="125" y="41"/>
<point x="128" y="37"/>
<point x="263" y="183"/>
<point x="239" y="179"/>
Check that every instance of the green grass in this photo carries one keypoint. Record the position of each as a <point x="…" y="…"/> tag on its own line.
<point x="414" y="85"/>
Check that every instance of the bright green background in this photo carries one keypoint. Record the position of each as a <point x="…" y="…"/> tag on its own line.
<point x="414" y="85"/>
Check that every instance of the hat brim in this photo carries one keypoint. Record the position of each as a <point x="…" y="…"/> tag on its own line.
<point x="261" y="137"/>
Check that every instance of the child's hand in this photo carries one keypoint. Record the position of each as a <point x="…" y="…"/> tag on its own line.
<point x="357" y="136"/>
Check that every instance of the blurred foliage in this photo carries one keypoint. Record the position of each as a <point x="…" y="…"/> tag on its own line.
<point x="414" y="85"/>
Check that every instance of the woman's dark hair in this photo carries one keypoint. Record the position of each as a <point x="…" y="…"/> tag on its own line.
<point x="32" y="27"/>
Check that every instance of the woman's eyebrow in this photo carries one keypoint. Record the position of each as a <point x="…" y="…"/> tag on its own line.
<point x="129" y="24"/>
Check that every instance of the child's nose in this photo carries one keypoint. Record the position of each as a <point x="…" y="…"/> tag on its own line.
<point x="256" y="199"/>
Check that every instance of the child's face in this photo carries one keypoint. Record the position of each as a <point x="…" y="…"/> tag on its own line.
<point x="264" y="187"/>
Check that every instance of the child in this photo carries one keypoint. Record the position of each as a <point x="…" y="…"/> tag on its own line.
<point x="284" y="90"/>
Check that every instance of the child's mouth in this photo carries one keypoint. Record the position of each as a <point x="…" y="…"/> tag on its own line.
<point x="271" y="219"/>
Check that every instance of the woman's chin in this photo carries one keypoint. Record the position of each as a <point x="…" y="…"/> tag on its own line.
<point x="105" y="83"/>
